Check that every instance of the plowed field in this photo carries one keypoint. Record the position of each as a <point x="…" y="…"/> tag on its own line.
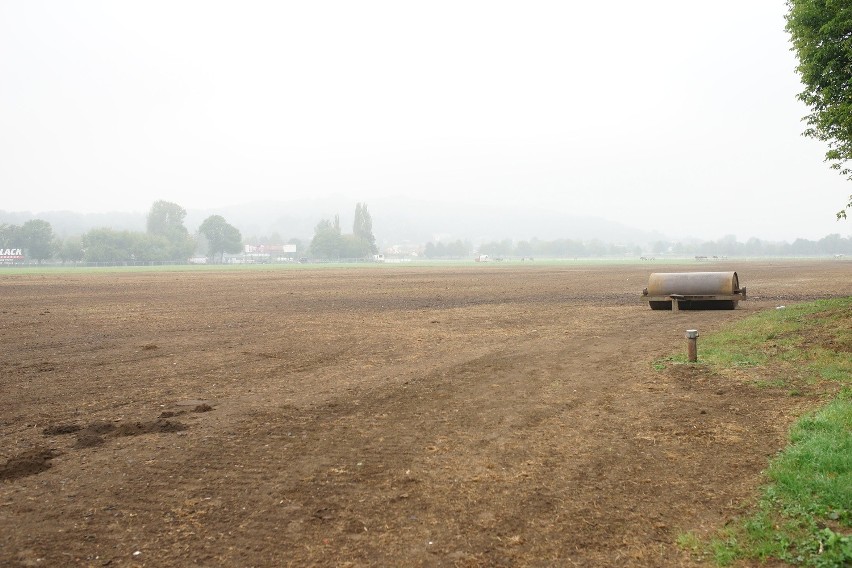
<point x="468" y="416"/>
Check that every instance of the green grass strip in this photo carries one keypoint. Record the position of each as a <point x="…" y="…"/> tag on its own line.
<point x="811" y="342"/>
<point x="804" y="514"/>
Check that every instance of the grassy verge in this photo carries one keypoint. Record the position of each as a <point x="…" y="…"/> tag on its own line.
<point x="804" y="513"/>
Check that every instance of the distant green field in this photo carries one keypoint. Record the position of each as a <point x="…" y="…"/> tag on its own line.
<point x="424" y="263"/>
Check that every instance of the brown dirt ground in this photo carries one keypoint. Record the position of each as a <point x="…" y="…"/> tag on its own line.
<point x="468" y="416"/>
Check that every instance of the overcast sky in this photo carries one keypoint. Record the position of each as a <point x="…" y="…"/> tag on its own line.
<point x="668" y="115"/>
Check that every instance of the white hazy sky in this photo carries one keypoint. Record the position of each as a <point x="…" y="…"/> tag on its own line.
<point x="668" y="115"/>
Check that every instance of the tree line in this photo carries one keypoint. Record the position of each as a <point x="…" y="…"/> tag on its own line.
<point x="330" y="242"/>
<point x="166" y="238"/>
<point x="729" y="246"/>
<point x="568" y="248"/>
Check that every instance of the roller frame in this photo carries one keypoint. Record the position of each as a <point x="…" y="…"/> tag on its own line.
<point x="673" y="300"/>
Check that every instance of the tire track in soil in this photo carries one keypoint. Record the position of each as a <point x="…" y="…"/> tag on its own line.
<point x="538" y="484"/>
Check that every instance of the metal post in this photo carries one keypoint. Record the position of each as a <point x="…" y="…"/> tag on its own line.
<point x="692" y="345"/>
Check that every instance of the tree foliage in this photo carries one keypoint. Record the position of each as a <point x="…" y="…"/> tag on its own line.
<point x="728" y="245"/>
<point x="327" y="241"/>
<point x="38" y="239"/>
<point x="821" y="33"/>
<point x="362" y="229"/>
<point x="165" y="219"/>
<point x="108" y="245"/>
<point x="495" y="248"/>
<point x="35" y="237"/>
<point x="221" y="237"/>
<point x="10" y="236"/>
<point x="457" y="249"/>
<point x="330" y="243"/>
<point x="71" y="249"/>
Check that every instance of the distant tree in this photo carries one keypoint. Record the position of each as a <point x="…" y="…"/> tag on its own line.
<point x="111" y="246"/>
<point x="492" y="248"/>
<point x="362" y="229"/>
<point x="38" y="239"/>
<point x="458" y="249"/>
<point x="564" y="248"/>
<point x="579" y="248"/>
<point x="596" y="248"/>
<point x="327" y="241"/>
<point x="618" y="250"/>
<point x="220" y="236"/>
<point x="107" y="245"/>
<point x="353" y="247"/>
<point x="70" y="250"/>
<point x="429" y="250"/>
<point x="803" y="247"/>
<point x="300" y="246"/>
<point x="660" y="247"/>
<point x="10" y="236"/>
<point x="820" y="31"/>
<point x="524" y="249"/>
<point x="147" y="248"/>
<point x="831" y="244"/>
<point x="165" y="220"/>
<point x="727" y="246"/>
<point x="681" y="248"/>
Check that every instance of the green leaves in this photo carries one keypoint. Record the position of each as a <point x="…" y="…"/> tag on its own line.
<point x="165" y="220"/>
<point x="35" y="237"/>
<point x="329" y="243"/>
<point x="221" y="237"/>
<point x="821" y="34"/>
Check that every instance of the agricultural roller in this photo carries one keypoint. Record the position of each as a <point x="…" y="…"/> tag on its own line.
<point x="693" y="290"/>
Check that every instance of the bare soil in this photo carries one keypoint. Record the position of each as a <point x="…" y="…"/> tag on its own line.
<point x="469" y="416"/>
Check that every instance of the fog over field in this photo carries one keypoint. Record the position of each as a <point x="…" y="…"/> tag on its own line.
<point x="471" y="119"/>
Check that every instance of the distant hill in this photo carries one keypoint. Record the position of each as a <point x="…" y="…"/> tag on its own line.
<point x="395" y="220"/>
<point x="67" y="223"/>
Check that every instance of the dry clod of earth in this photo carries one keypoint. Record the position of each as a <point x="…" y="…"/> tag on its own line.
<point x="30" y="462"/>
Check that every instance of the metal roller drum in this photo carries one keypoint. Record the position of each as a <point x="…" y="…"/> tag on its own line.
<point x="693" y="290"/>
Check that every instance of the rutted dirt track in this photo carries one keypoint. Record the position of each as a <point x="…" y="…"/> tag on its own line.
<point x="478" y="416"/>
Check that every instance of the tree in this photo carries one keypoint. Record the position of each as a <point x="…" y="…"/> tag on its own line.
<point x="363" y="229"/>
<point x="10" y="236"/>
<point x="524" y="249"/>
<point x="457" y="249"/>
<point x="221" y="237"/>
<point x="165" y="219"/>
<point x="38" y="239"/>
<point x="329" y="242"/>
<point x="70" y="250"/>
<point x="495" y="248"/>
<point x="107" y="245"/>
<point x="327" y="239"/>
<point x="821" y="33"/>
